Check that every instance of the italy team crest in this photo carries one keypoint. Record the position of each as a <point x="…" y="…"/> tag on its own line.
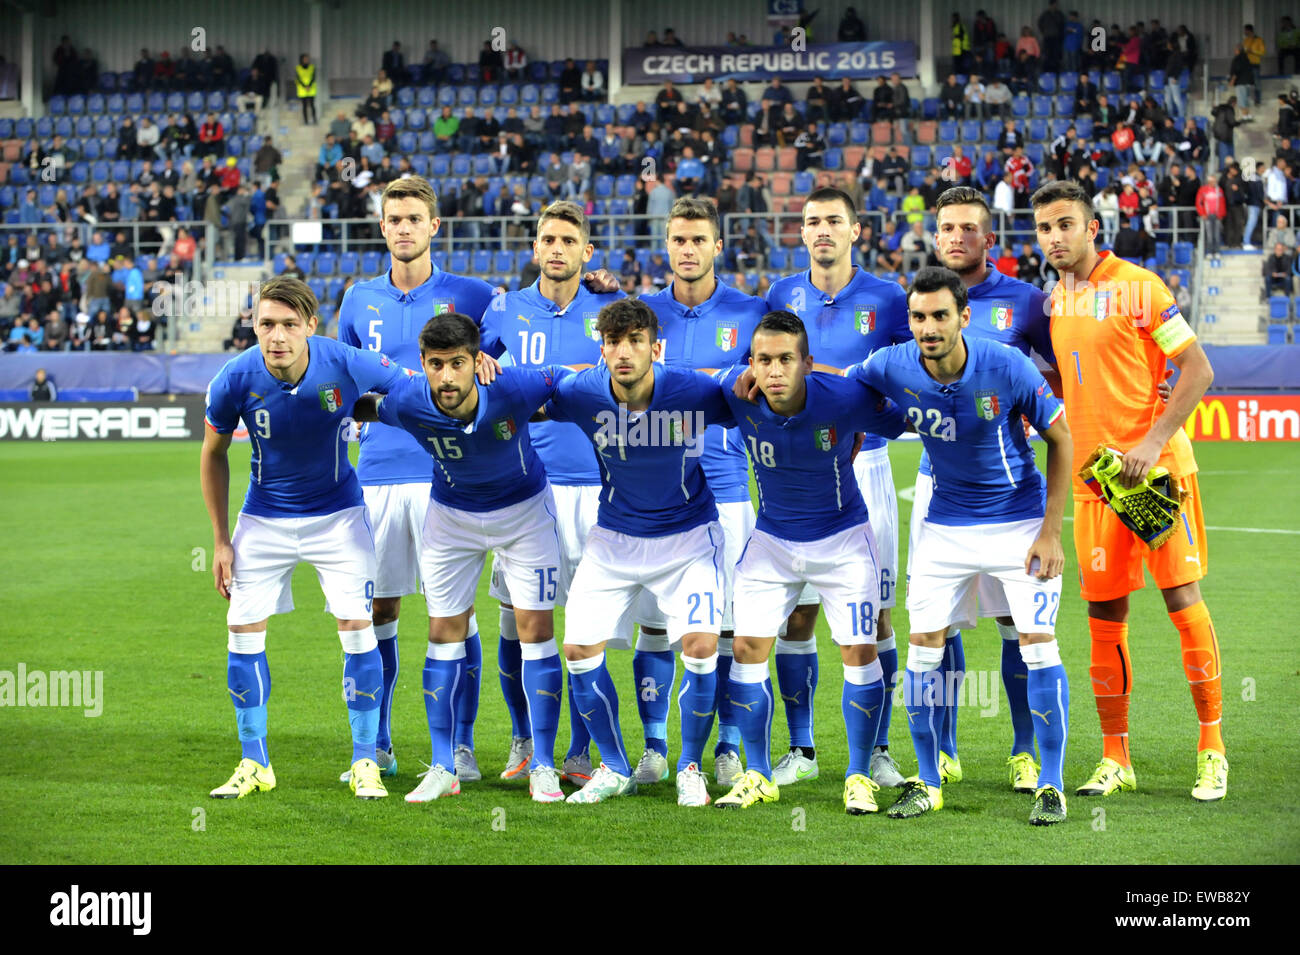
<point x="1101" y="304"/>
<point x="864" y="319"/>
<point x="442" y="308"/>
<point x="331" y="398"/>
<point x="589" y="325"/>
<point x="986" y="404"/>
<point x="728" y="335"/>
<point x="1001" y="316"/>
<point x="504" y="428"/>
<point x="824" y="438"/>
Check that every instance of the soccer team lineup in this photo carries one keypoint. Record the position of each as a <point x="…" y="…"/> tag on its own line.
<point x="594" y="451"/>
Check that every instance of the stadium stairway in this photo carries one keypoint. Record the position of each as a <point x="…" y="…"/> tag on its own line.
<point x="300" y="146"/>
<point x="1231" y="312"/>
<point x="204" y="333"/>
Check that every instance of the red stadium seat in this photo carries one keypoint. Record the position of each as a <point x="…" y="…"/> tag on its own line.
<point x="853" y="156"/>
<point x="926" y="132"/>
<point x="882" y="133"/>
<point x="780" y="184"/>
<point x="765" y="159"/>
<point x="787" y="158"/>
<point x="747" y="135"/>
<point x="742" y="159"/>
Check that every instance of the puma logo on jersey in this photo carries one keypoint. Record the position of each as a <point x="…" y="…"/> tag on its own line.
<point x="791" y="699"/>
<point x="912" y="393"/>
<point x="434" y="693"/>
<point x="555" y="696"/>
<point x="375" y="309"/>
<point x="376" y="690"/>
<point x="747" y="707"/>
<point x="527" y="321"/>
<point x="1043" y="716"/>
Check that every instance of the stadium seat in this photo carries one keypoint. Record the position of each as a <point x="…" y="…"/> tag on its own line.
<point x="776" y="259"/>
<point x="1047" y="82"/>
<point x="1278" y="334"/>
<point x="882" y="134"/>
<point x="1042" y="105"/>
<point x="859" y="134"/>
<point x="371" y="263"/>
<point x="550" y="94"/>
<point x="1059" y="126"/>
<point x="522" y="258"/>
<point x="481" y="261"/>
<point x="1035" y="152"/>
<point x="930" y="107"/>
<point x="460" y="165"/>
<point x="1183" y="253"/>
<point x="90" y="149"/>
<point x="948" y="132"/>
<point x="234" y="145"/>
<point x="800" y="258"/>
<point x="326" y="263"/>
<point x="63" y="127"/>
<point x="1156" y="81"/>
<point x="406" y="97"/>
<point x="1020" y="107"/>
<point x="1083" y="126"/>
<point x="970" y="131"/>
<point x="926" y="132"/>
<point x="459" y="261"/>
<point x="134" y="103"/>
<point x="44" y="127"/>
<point x="1279" y="307"/>
<point x="1065" y="105"/>
<point x="456" y="73"/>
<point x="103" y="127"/>
<point x="348" y="263"/>
<point x="1037" y="130"/>
<point x="482" y="165"/>
<point x="440" y="165"/>
<point x="921" y="157"/>
<point x="804" y="182"/>
<point x="467" y="95"/>
<point x="420" y="164"/>
<point x="1162" y="253"/>
<point x="416" y="119"/>
<point x="318" y="288"/>
<point x="334" y="288"/>
<point x="787" y="159"/>
<point x="837" y="134"/>
<point x="765" y="159"/>
<point x="1110" y="82"/>
<point x="916" y="177"/>
<point x="779" y="185"/>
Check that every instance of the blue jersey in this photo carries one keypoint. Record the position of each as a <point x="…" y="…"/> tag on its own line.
<point x="300" y="465"/>
<point x="535" y="331"/>
<point x="715" y="334"/>
<point x="487" y="463"/>
<point x="803" y="464"/>
<point x="652" y="484"/>
<point x="868" y="313"/>
<point x="984" y="470"/>
<point x="377" y="315"/>
<point x="1006" y="310"/>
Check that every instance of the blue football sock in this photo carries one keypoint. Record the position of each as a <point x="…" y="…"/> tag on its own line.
<point x="954" y="673"/>
<point x="543" y="679"/>
<point x="249" y="682"/>
<point x="861" y="702"/>
<point x="597" y="706"/>
<point x="508" y="670"/>
<point x="1015" y="679"/>
<point x="750" y="689"/>
<point x="728" y="731"/>
<point x="695" y="702"/>
<point x="467" y="701"/>
<point x="653" y="672"/>
<point x="579" y="734"/>
<point x="443" y="679"/>
<point x="1049" y="705"/>
<point x="796" y="676"/>
<point x="363" y="679"/>
<point x="923" y="699"/>
<point x="887" y="654"/>
<point x="386" y="634"/>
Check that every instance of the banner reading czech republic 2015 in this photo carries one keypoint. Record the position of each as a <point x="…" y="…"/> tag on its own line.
<point x="654" y="64"/>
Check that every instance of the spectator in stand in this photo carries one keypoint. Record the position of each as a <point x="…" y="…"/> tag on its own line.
<point x="972" y="97"/>
<point x="1085" y="96"/>
<point x="817" y="101"/>
<point x="436" y="64"/>
<point x="570" y="82"/>
<point x="1253" y="188"/>
<point x="1130" y="203"/>
<point x="1241" y="75"/>
<point x="1018" y="171"/>
<point x="882" y="101"/>
<point x="961" y="46"/>
<point x="1132" y="243"/>
<point x="958" y="169"/>
<point x="1255" y="50"/>
<point x="788" y="126"/>
<point x="445" y="129"/>
<point x="1129" y="61"/>
<point x="593" y="83"/>
<point x="902" y="104"/>
<point x="895" y="168"/>
<point x="305" y="86"/>
<point x="1028" y="55"/>
<point x="491" y="63"/>
<point x="516" y="62"/>
<point x="212" y="137"/>
<point x="666" y="102"/>
<point x="1122" y="139"/>
<point x="846" y="102"/>
<point x="1280" y="233"/>
<point x="1234" y="193"/>
<point x="1148" y="147"/>
<point x="251" y="97"/>
<point x="1175" y="64"/>
<point x="467" y="137"/>
<point x="734" y="104"/>
<point x="1192" y="146"/>
<point x="811" y="148"/>
<point x="951" y="97"/>
<point x="1224" y="122"/>
<point x="393" y="64"/>
<point x="997" y="99"/>
<point x="1029" y="267"/>
<point x="988" y="171"/>
<point x="1010" y="138"/>
<point x="1072" y="44"/>
<point x="851" y="28"/>
<point x="1278" y="269"/>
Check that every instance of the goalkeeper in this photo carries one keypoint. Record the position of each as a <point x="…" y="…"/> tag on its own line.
<point x="1114" y="327"/>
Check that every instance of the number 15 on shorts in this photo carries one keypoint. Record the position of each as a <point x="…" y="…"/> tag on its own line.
<point x="545" y="582"/>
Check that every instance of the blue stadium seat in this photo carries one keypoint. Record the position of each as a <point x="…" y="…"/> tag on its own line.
<point x="550" y="94"/>
<point x="1182" y="253"/>
<point x="1065" y="105"/>
<point x="416" y="119"/>
<point x="776" y="258"/>
<point x="522" y="258"/>
<point x="970" y="131"/>
<point x="1162" y="253"/>
<point x="834" y="158"/>
<point x="482" y="165"/>
<point x="916" y="178"/>
<point x="467" y="95"/>
<point x="121" y="171"/>
<point x="115" y="103"/>
<point x="420" y="165"/>
<point x="90" y="149"/>
<point x="460" y="165"/>
<point x="57" y="105"/>
<point x="948" y="132"/>
<point x="992" y="130"/>
<point x="1059" y="126"/>
<point x="1110" y="82"/>
<point x="837" y="134"/>
<point x="245" y="123"/>
<point x="44" y="127"/>
<point x="1156" y="80"/>
<point x="348" y="263"/>
<point x="459" y="262"/>
<point x="426" y="97"/>
<point x="1083" y="126"/>
<point x="1277" y="334"/>
<point x="731" y="137"/>
<point x="800" y="258"/>
<point x="487" y="96"/>
<point x="80" y="173"/>
<point x="63" y="127"/>
<point x="446" y="96"/>
<point x="1037" y="130"/>
<point x="1042" y="105"/>
<point x="1020" y="107"/>
<point x="537" y="188"/>
<point x="398" y="118"/>
<point x="604" y="186"/>
<point x="8" y="197"/>
<point x="326" y="263"/>
<point x="306" y="261"/>
<point x="216" y="101"/>
<point x="529" y="95"/>
<point x="156" y="102"/>
<point x="103" y="127"/>
<point x="597" y="260"/>
<point x="538" y="71"/>
<point x="235" y="145"/>
<point x="406" y="96"/>
<point x="175" y="102"/>
<point x="1068" y="82"/>
<point x="134" y="103"/>
<point x="194" y="103"/>
<point x="277" y="263"/>
<point x="334" y="289"/>
<point x="921" y="157"/>
<point x="440" y="165"/>
<point x="1035" y="152"/>
<point x="509" y="95"/>
<point x="1047" y="82"/>
<point x="406" y="142"/>
<point x="84" y="127"/>
<point x="426" y="141"/>
<point x="930" y="107"/>
<point x="318" y="288"/>
<point x="371" y="263"/>
<point x="503" y="261"/>
<point x="624" y="186"/>
<point x="1279" y="307"/>
<point x="804" y="182"/>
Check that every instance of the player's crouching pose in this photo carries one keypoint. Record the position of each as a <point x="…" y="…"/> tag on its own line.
<point x="988" y="515"/>
<point x="813" y="529"/>
<point x="656" y="532"/>
<point x="294" y="393"/>
<point x="489" y="493"/>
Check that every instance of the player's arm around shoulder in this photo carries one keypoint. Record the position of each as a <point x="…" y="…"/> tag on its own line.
<point x="712" y="398"/>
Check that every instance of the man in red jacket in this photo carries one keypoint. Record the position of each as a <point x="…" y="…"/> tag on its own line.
<point x="212" y="136"/>
<point x="1211" y="207"/>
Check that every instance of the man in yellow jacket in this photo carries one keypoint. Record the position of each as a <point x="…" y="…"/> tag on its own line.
<point x="306" y="75"/>
<point x="1253" y="45"/>
<point x="960" y="46"/>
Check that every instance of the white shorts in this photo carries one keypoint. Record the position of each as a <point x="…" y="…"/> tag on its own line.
<point x="947" y="562"/>
<point x="457" y="542"/>
<point x="397" y="516"/>
<point x="575" y="509"/>
<point x="842" y="567"/>
<point x="737" y="520"/>
<point x="683" y="571"/>
<point x="992" y="602"/>
<point x="267" y="549"/>
<point x="876" y="481"/>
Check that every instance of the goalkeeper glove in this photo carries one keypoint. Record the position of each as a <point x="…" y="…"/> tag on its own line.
<point x="1150" y="509"/>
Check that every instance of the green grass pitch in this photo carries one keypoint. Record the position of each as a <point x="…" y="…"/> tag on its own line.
<point x="104" y="568"/>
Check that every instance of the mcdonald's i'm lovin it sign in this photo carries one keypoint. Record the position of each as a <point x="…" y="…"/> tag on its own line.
<point x="1245" y="418"/>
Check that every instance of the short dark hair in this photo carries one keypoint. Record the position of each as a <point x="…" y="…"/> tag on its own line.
<point x="1063" y="189"/>
<point x="933" y="278"/>
<point x="618" y="319"/>
<point x="831" y="194"/>
<point x="782" y="322"/>
<point x="964" y="196"/>
<point x="448" y="332"/>
<point x="696" y="209"/>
